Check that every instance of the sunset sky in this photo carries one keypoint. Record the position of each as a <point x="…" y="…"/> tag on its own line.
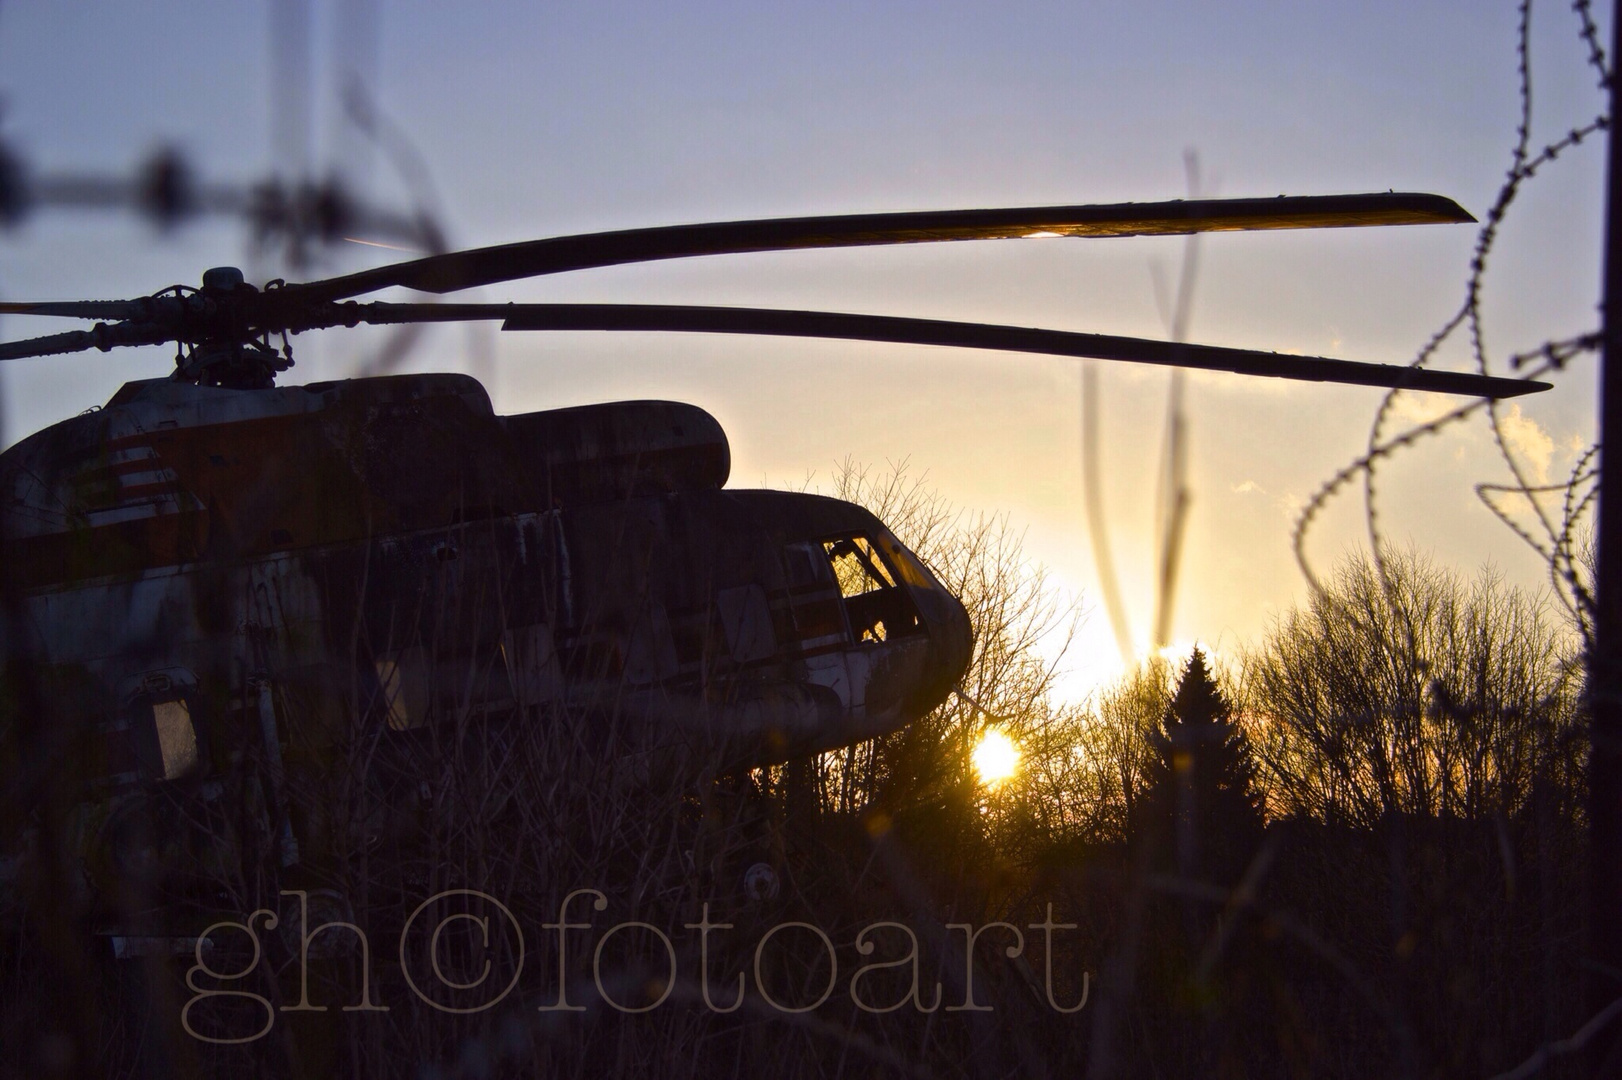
<point x="544" y="119"/>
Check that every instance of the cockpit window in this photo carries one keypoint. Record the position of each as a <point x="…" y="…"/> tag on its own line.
<point x="875" y="608"/>
<point x="857" y="566"/>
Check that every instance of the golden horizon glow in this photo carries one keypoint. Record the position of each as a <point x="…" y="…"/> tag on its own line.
<point x="995" y="757"/>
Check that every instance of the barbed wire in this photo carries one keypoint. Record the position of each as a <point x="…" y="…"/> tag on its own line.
<point x="1349" y="473"/>
<point x="1560" y="557"/>
<point x="1554" y="538"/>
<point x="1590" y="35"/>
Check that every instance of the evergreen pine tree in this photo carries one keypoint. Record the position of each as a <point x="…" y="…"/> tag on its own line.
<point x="1203" y="807"/>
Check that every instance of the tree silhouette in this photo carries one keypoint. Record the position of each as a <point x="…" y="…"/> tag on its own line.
<point x="1202" y="803"/>
<point x="1415" y="691"/>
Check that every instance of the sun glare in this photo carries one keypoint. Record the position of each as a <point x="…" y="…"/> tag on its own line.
<point x="996" y="758"/>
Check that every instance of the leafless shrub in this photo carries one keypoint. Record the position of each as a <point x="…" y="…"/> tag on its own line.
<point x="1424" y="695"/>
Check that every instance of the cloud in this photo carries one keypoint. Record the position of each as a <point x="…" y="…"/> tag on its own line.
<point x="1421" y="408"/>
<point x="1575" y="447"/>
<point x="1246" y="488"/>
<point x="1523" y="435"/>
<point x="1290" y="505"/>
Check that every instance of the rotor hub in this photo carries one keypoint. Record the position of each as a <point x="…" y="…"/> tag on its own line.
<point x="223" y="278"/>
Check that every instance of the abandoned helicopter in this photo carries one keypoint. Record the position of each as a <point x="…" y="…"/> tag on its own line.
<point x="213" y="569"/>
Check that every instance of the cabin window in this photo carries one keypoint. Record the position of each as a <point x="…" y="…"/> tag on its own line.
<point x="402" y="681"/>
<point x="177" y="739"/>
<point x="419" y="684"/>
<point x="388" y="683"/>
<point x="531" y="663"/>
<point x="155" y="735"/>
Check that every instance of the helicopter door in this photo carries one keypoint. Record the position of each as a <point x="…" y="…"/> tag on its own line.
<point x="650" y="654"/>
<point x="814" y="607"/>
<point x="747" y="619"/>
<point x="402" y="681"/>
<point x="817" y="618"/>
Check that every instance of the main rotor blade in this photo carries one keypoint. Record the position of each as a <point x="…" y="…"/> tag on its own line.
<point x="103" y="336"/>
<point x="51" y="345"/>
<point x="79" y="309"/>
<point x="884" y="328"/>
<point x="508" y="262"/>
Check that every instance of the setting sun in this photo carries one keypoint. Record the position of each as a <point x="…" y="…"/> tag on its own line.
<point x="996" y="758"/>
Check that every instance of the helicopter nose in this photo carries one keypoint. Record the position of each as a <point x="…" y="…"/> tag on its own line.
<point x="951" y="639"/>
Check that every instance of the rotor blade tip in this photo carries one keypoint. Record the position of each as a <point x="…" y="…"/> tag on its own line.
<point x="1531" y="387"/>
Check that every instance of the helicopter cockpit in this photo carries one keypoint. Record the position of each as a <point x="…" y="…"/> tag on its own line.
<point x="876" y="609"/>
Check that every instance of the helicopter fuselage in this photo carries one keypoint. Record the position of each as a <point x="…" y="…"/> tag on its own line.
<point x="202" y="575"/>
